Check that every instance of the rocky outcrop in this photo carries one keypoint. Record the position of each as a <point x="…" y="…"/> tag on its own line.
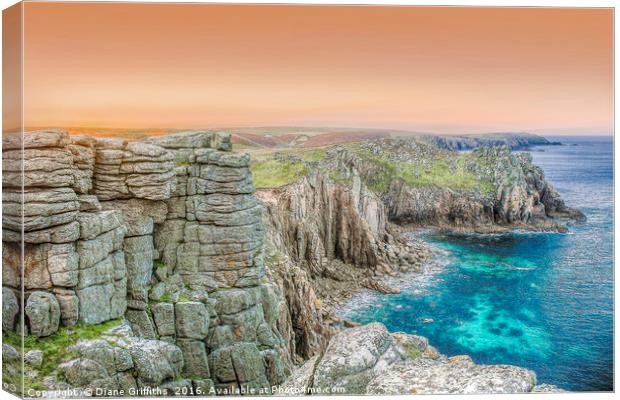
<point x="488" y="189"/>
<point x="132" y="170"/>
<point x="120" y="363"/>
<point x="318" y="220"/>
<point x="370" y="360"/>
<point x="325" y="240"/>
<point x="164" y="232"/>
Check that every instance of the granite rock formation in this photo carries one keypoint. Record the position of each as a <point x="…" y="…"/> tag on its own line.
<point x="164" y="232"/>
<point x="324" y="241"/>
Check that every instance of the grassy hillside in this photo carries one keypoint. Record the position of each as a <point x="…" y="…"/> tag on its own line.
<point x="421" y="165"/>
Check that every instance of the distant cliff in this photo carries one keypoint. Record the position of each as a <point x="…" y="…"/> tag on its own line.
<point x="514" y="141"/>
<point x="487" y="189"/>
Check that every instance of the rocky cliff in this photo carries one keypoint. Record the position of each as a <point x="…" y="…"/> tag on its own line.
<point x="488" y="189"/>
<point x="154" y="266"/>
<point x="514" y="141"/>
<point x="325" y="241"/>
<point x="165" y="233"/>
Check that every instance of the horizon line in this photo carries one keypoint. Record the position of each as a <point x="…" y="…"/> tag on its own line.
<point x="541" y="132"/>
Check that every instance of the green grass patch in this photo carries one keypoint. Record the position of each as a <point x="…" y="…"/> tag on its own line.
<point x="55" y="348"/>
<point x="276" y="173"/>
<point x="412" y="350"/>
<point x="314" y="155"/>
<point x="434" y="171"/>
<point x="183" y="298"/>
<point x="440" y="174"/>
<point x="339" y="178"/>
<point x="166" y="298"/>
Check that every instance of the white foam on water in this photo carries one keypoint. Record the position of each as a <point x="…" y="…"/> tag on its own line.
<point x="416" y="283"/>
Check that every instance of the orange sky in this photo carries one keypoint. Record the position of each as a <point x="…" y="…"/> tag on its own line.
<point x="438" y="69"/>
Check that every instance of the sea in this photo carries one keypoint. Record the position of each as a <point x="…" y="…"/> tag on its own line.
<point x="543" y="301"/>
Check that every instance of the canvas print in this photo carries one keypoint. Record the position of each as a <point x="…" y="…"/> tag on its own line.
<point x="234" y="199"/>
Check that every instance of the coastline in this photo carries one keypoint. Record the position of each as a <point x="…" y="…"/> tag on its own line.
<point x="396" y="282"/>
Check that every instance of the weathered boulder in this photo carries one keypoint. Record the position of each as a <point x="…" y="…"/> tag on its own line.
<point x="93" y="224"/>
<point x="98" y="249"/>
<point x="10" y="309"/>
<point x="11" y="264"/>
<point x="9" y="353"/>
<point x="369" y="360"/>
<point x="34" y="357"/>
<point x="301" y="378"/>
<point x="69" y="306"/>
<point x="41" y="208"/>
<point x="35" y="139"/>
<point x="83" y="372"/>
<point x="354" y="357"/>
<point x="139" y="263"/>
<point x="89" y="203"/>
<point x="65" y="233"/>
<point x="195" y="358"/>
<point x="95" y="303"/>
<point x="199" y="139"/>
<point x="141" y="323"/>
<point x="45" y="167"/>
<point x="111" y="358"/>
<point x="43" y="313"/>
<point x="102" y="282"/>
<point x="155" y="361"/>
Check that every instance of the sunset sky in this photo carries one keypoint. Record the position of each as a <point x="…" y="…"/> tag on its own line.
<point x="448" y="70"/>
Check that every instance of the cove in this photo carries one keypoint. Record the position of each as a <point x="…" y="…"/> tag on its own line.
<point x="543" y="301"/>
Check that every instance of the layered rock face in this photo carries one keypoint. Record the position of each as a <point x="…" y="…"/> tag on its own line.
<point x="165" y="232"/>
<point x="72" y="249"/>
<point x="318" y="220"/>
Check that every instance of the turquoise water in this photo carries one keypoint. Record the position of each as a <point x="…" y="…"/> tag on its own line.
<point x="543" y="301"/>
